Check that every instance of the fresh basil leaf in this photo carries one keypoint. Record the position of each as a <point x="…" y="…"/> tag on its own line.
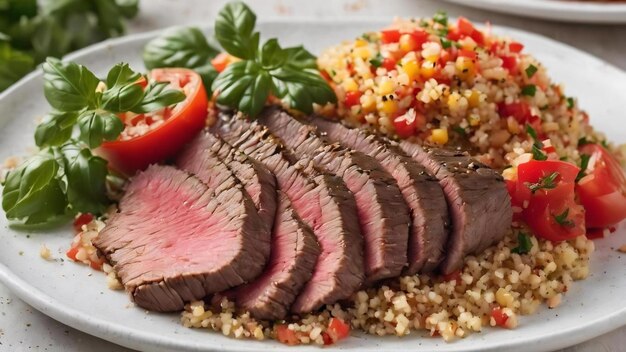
<point x="272" y="55"/>
<point x="300" y="89"/>
<point x="234" y="28"/>
<point x="208" y="75"/>
<point x="179" y="47"/>
<point x="69" y="86"/>
<point x="32" y="192"/>
<point x="98" y="126"/>
<point x="244" y="85"/>
<point x="13" y="65"/>
<point x="109" y="18"/>
<point x="123" y="93"/>
<point x="86" y="180"/>
<point x="48" y="38"/>
<point x="55" y="129"/>
<point x="21" y="8"/>
<point x="299" y="57"/>
<point x="157" y="97"/>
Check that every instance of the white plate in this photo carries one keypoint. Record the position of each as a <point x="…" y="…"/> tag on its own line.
<point x="557" y="10"/>
<point x="77" y="296"/>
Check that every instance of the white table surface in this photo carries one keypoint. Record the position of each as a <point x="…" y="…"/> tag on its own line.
<point x="22" y="328"/>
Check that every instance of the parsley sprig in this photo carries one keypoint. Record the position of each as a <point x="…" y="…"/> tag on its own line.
<point x="289" y="74"/>
<point x="524" y="243"/>
<point x="65" y="177"/>
<point x="537" y="148"/>
<point x="546" y="182"/>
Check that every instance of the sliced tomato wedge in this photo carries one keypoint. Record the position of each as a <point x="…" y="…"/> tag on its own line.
<point x="544" y="190"/>
<point x="603" y="190"/>
<point x="182" y="123"/>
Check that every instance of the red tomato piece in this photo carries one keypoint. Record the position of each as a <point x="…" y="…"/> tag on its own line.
<point x="520" y="111"/>
<point x="509" y="63"/>
<point x="603" y="190"/>
<point x="352" y="98"/>
<point x="82" y="219"/>
<point x="453" y="276"/>
<point x="327" y="339"/>
<point x="71" y="253"/>
<point x="420" y="37"/>
<point x="389" y="63"/>
<point x="454" y="34"/>
<point x="467" y="53"/>
<point x="499" y="316"/>
<point x="465" y="26"/>
<point x="545" y="191"/>
<point x="338" y="329"/>
<point x="406" y="124"/>
<point x="184" y="122"/>
<point x="478" y="37"/>
<point x="516" y="47"/>
<point x="286" y="335"/>
<point x="390" y="36"/>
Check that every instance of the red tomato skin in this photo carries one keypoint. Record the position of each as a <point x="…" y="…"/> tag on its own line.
<point x="465" y="26"/>
<point x="220" y="62"/>
<point x="390" y="36"/>
<point x="352" y="98"/>
<point x="520" y="111"/>
<point x="478" y="37"/>
<point x="603" y="191"/>
<point x="165" y="141"/>
<point x="509" y="63"/>
<point x="420" y="37"/>
<point x="405" y="128"/>
<point x="71" y="253"/>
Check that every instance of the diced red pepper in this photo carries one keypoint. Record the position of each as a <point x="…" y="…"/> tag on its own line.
<point x="516" y="47"/>
<point x="509" y="63"/>
<point x="420" y="37"/>
<point x="286" y="335"/>
<point x="467" y="53"/>
<point x="499" y="316"/>
<point x="82" y="219"/>
<point x="389" y="63"/>
<point x="352" y="98"/>
<point x="71" y="253"/>
<point x="389" y="36"/>
<point x="465" y="26"/>
<point x="338" y="329"/>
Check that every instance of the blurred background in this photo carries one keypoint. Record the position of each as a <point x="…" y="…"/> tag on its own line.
<point x="24" y="329"/>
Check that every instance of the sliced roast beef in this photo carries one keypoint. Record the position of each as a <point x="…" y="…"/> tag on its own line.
<point x="175" y="240"/>
<point x="478" y="201"/>
<point x="322" y="201"/>
<point x="421" y="192"/>
<point x="294" y="255"/>
<point x="207" y="150"/>
<point x="382" y="213"/>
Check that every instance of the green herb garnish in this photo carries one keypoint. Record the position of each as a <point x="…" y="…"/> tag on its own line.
<point x="584" y="164"/>
<point x="529" y="90"/>
<point x="31" y="31"/>
<point x="64" y="177"/>
<point x="183" y="47"/>
<point x="562" y="219"/>
<point x="524" y="244"/>
<point x="460" y="130"/>
<point x="531" y="70"/>
<point x="570" y="102"/>
<point x="546" y="182"/>
<point x="377" y="61"/>
<point x="537" y="148"/>
<point x="441" y="17"/>
<point x="288" y="73"/>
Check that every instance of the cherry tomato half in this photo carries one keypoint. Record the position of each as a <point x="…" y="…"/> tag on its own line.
<point x="603" y="190"/>
<point x="186" y="119"/>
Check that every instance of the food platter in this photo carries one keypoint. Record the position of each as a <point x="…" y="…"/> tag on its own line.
<point x="78" y="296"/>
<point x="567" y="11"/>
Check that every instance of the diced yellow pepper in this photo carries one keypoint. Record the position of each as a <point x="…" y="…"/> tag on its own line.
<point x="474" y="120"/>
<point x="439" y="135"/>
<point x="360" y="42"/>
<point x="350" y="85"/>
<point x="385" y="87"/>
<point x="389" y="107"/>
<point x="465" y="67"/>
<point x="411" y="68"/>
<point x="361" y="52"/>
<point x="474" y="99"/>
<point x="368" y="103"/>
<point x="428" y="70"/>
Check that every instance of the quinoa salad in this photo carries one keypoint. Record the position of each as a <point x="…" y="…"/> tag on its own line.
<point x="426" y="178"/>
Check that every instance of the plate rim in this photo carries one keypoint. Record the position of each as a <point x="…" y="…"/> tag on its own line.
<point x="141" y="339"/>
<point x="554" y="10"/>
